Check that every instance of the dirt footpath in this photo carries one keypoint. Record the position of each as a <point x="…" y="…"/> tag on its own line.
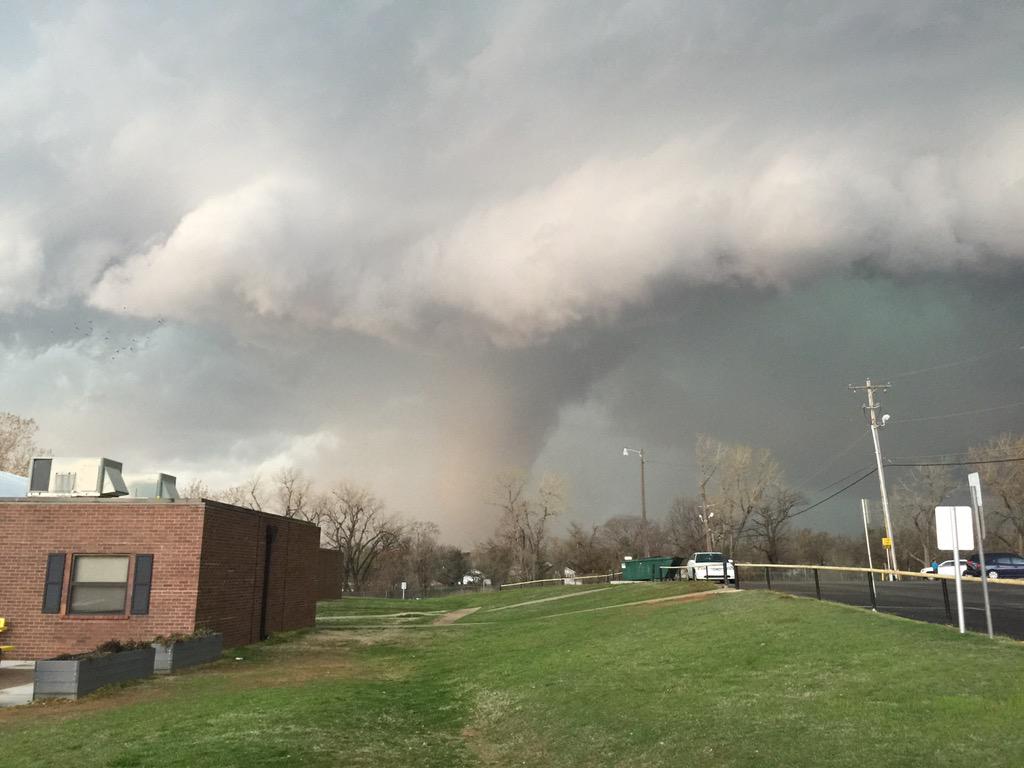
<point x="549" y="599"/>
<point x="452" y="616"/>
<point x="691" y="597"/>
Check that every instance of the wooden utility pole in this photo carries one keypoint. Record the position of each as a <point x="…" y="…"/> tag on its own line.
<point x="871" y="409"/>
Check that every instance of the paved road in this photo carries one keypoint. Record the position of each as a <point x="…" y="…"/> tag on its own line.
<point x="915" y="599"/>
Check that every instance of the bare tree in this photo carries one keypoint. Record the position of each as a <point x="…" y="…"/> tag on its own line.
<point x="684" y="531"/>
<point x="354" y="523"/>
<point x="291" y="493"/>
<point x="316" y="509"/>
<point x="17" y="443"/>
<point x="524" y="522"/>
<point x="452" y="564"/>
<point x="249" y="494"/>
<point x="196" y="489"/>
<point x="493" y="558"/>
<point x="770" y="518"/>
<point x="422" y="552"/>
<point x="744" y="479"/>
<point x="624" y="535"/>
<point x="586" y="551"/>
<point x="1003" y="482"/>
<point x="711" y="454"/>
<point x="917" y="495"/>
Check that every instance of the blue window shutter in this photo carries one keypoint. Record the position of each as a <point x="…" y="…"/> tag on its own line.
<point x="54" y="587"/>
<point x="141" y="586"/>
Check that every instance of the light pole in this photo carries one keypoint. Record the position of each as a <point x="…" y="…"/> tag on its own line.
<point x="643" y="498"/>
<point x="707" y="530"/>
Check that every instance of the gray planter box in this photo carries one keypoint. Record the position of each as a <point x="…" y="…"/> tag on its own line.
<point x="73" y="678"/>
<point x="187" y="653"/>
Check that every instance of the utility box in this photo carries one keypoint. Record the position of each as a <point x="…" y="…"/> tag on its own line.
<point x="651" y="568"/>
<point x="59" y="476"/>
<point x="155" y="486"/>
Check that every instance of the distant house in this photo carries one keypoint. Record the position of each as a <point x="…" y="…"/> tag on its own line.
<point x="475" y="577"/>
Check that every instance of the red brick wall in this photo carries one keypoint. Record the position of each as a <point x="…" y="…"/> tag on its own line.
<point x="299" y="587"/>
<point x="231" y="574"/>
<point x="328" y="585"/>
<point x="31" y="529"/>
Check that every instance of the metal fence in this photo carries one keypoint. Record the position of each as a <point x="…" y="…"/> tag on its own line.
<point x="412" y="593"/>
<point x="919" y="596"/>
<point x="601" y="578"/>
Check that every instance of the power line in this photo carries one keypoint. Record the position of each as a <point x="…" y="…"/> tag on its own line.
<point x="840" y="480"/>
<point x="959" y="413"/>
<point x="833" y="460"/>
<point x="953" y="364"/>
<point x="945" y="455"/>
<point x="846" y="487"/>
<point x="671" y="464"/>
<point x="960" y="463"/>
<point x="872" y="471"/>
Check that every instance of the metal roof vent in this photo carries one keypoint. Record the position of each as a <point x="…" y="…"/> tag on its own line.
<point x="153" y="486"/>
<point x="54" y="476"/>
<point x="12" y="486"/>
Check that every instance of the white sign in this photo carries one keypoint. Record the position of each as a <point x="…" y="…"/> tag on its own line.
<point x="944" y="521"/>
<point x="403" y="586"/>
<point x="974" y="480"/>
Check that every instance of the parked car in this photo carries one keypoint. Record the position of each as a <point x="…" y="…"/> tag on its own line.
<point x="946" y="568"/>
<point x="1004" y="565"/>
<point x="708" y="566"/>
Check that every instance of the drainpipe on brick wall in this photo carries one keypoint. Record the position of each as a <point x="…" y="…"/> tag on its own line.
<point x="287" y="561"/>
<point x="254" y="596"/>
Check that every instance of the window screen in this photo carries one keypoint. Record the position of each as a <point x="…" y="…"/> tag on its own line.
<point x="99" y="584"/>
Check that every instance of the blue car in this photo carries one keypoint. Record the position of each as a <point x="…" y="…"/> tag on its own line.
<point x="1004" y="565"/>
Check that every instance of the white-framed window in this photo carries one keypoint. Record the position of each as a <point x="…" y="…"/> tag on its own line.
<point x="99" y="584"/>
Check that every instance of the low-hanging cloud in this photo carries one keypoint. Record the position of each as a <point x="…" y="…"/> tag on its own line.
<point x="389" y="194"/>
<point x="596" y="239"/>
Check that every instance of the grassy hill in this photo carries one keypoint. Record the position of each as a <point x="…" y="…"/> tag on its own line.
<point x="589" y="679"/>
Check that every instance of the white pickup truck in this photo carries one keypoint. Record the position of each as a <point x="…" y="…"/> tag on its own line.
<point x="708" y="565"/>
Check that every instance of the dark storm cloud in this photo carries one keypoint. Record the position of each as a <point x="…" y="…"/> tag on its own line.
<point x="394" y="242"/>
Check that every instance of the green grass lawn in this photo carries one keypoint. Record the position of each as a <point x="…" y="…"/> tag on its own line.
<point x="747" y="679"/>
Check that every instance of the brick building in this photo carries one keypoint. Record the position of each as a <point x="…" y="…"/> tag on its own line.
<point x="75" y="572"/>
<point x="329" y="575"/>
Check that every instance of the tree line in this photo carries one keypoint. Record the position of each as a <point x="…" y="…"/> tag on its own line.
<point x="742" y="505"/>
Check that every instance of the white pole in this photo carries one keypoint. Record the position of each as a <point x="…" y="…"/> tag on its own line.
<point x="891" y="554"/>
<point x="867" y="537"/>
<point x="974" y="483"/>
<point x="956" y="570"/>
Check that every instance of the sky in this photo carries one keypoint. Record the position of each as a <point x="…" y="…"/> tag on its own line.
<point x="413" y="245"/>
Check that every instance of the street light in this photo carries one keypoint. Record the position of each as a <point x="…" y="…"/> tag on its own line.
<point x="643" y="498"/>
<point x="707" y="529"/>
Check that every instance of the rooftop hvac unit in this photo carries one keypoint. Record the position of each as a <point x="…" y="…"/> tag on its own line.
<point x="12" y="486"/>
<point x="98" y="477"/>
<point x="153" y="486"/>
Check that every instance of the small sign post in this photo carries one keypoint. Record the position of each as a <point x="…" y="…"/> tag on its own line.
<point x="954" y="529"/>
<point x="867" y="541"/>
<point x="403" y="590"/>
<point x="974" y="481"/>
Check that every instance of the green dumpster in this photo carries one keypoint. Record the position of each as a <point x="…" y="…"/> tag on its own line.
<point x="651" y="568"/>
